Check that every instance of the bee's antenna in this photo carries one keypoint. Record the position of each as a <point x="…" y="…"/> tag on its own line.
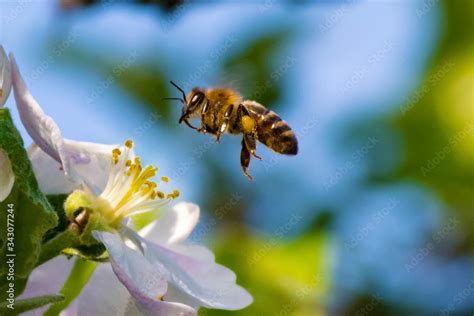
<point x="182" y="91"/>
<point x="179" y="99"/>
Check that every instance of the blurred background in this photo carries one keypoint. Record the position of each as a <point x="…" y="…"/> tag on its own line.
<point x="375" y="214"/>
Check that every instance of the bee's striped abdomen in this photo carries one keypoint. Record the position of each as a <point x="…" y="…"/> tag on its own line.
<point x="272" y="131"/>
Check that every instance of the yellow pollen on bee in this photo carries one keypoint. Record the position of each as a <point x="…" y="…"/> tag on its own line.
<point x="248" y="124"/>
<point x="164" y="179"/>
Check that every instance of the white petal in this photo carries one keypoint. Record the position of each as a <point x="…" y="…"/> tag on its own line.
<point x="103" y="294"/>
<point x="7" y="177"/>
<point x="176" y="224"/>
<point x="47" y="279"/>
<point x="145" y="282"/>
<point x="48" y="172"/>
<point x="195" y="274"/>
<point x="90" y="162"/>
<point x="5" y="77"/>
<point x="42" y="129"/>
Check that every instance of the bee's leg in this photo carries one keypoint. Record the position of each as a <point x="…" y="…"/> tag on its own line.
<point x="248" y="129"/>
<point x="245" y="159"/>
<point x="249" y="139"/>
<point x="225" y="121"/>
<point x="203" y="128"/>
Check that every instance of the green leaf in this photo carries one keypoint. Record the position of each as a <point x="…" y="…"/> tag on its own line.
<point x="21" y="306"/>
<point x="32" y="215"/>
<point x="57" y="202"/>
<point x="78" y="278"/>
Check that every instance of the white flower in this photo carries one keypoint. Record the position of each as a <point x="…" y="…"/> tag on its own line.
<point x="5" y="77"/>
<point x="7" y="178"/>
<point x="164" y="277"/>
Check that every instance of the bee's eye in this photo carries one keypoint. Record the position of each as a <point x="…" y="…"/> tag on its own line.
<point x="197" y="98"/>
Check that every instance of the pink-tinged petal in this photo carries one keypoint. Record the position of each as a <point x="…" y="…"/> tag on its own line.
<point x="90" y="162"/>
<point x="47" y="279"/>
<point x="147" y="283"/>
<point x="7" y="177"/>
<point x="5" y="77"/>
<point x="42" y="129"/>
<point x="195" y="273"/>
<point x="48" y="172"/>
<point x="176" y="224"/>
<point x="103" y="294"/>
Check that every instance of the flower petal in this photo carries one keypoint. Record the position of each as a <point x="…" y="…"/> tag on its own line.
<point x="145" y="282"/>
<point x="195" y="274"/>
<point x="103" y="294"/>
<point x="176" y="224"/>
<point x="5" y="77"/>
<point x="42" y="129"/>
<point x="47" y="279"/>
<point x="90" y="163"/>
<point x="48" y="172"/>
<point x="7" y="177"/>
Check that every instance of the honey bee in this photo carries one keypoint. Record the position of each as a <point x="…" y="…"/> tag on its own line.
<point x="222" y="110"/>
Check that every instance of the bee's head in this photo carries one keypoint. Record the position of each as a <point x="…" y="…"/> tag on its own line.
<point x="190" y="104"/>
<point x="195" y="99"/>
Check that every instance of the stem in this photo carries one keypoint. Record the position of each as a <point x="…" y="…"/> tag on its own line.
<point x="77" y="279"/>
<point x="53" y="247"/>
<point x="24" y="305"/>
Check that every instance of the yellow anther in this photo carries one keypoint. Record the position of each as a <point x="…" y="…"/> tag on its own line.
<point x="115" y="160"/>
<point x="129" y="143"/>
<point x="128" y="163"/>
<point x="152" y="195"/>
<point x="160" y="194"/>
<point x="151" y="184"/>
<point x="116" y="152"/>
<point x="175" y="194"/>
<point x="164" y="179"/>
